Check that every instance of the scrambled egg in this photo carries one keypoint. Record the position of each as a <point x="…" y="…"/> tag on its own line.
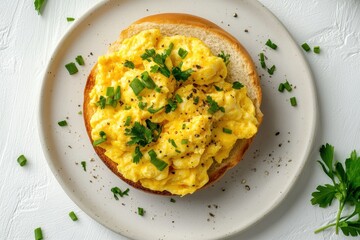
<point x="196" y="114"/>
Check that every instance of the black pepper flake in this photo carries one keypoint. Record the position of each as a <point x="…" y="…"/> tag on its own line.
<point x="198" y="66"/>
<point x="211" y="214"/>
<point x="277" y="133"/>
<point x="280" y="145"/>
<point x="246" y="30"/>
<point x="247" y="187"/>
<point x="235" y="15"/>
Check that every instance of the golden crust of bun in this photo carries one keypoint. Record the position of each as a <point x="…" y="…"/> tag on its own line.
<point x="217" y="39"/>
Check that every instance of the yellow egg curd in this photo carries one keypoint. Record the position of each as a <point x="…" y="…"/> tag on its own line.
<point x="165" y="113"/>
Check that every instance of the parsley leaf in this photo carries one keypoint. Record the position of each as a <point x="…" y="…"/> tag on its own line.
<point x="180" y="75"/>
<point x="213" y="106"/>
<point x="137" y="155"/>
<point x="345" y="188"/>
<point x="139" y="135"/>
<point x="225" y="57"/>
<point x="129" y="64"/>
<point x="38" y="5"/>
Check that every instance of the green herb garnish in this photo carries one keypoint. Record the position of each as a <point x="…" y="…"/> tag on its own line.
<point x="178" y="98"/>
<point x="196" y="100"/>
<point x="22" y="160"/>
<point x="306" y="47"/>
<point x="80" y="60"/>
<point x="38" y="234"/>
<point x="70" y="19"/>
<point x="281" y="87"/>
<point x="237" y="85"/>
<point x="142" y="105"/>
<point x="270" y="44"/>
<point x="102" y="138"/>
<point x="226" y="130"/>
<point x="172" y="143"/>
<point x="271" y="70"/>
<point x="137" y="86"/>
<point x="127" y="121"/>
<point x="154" y="110"/>
<point x="83" y="164"/>
<point x="262" y="60"/>
<point x="62" y="123"/>
<point x="345" y="188"/>
<point x="143" y="135"/>
<point x="180" y="75"/>
<point x="117" y="191"/>
<point x="129" y="64"/>
<point x="73" y="216"/>
<point x="171" y="106"/>
<point x="287" y="86"/>
<point x="182" y="53"/>
<point x="102" y="102"/>
<point x="213" y="106"/>
<point x="158" y="163"/>
<point x="317" y="49"/>
<point x="141" y="211"/>
<point x="159" y="59"/>
<point x="219" y="89"/>
<point x="38" y="5"/>
<point x="71" y="67"/>
<point x="137" y="155"/>
<point x="293" y="101"/>
<point x="225" y="57"/>
<point x="184" y="141"/>
<point x="147" y="80"/>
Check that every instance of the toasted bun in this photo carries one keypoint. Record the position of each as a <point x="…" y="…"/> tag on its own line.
<point x="241" y="68"/>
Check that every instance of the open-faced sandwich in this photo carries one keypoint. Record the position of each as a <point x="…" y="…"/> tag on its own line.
<point x="173" y="105"/>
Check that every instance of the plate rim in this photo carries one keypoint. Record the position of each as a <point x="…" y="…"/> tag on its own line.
<point x="42" y="132"/>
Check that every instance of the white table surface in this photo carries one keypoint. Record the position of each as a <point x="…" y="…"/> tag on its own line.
<point x="31" y="197"/>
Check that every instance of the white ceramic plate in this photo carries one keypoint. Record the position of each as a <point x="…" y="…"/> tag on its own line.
<point x="246" y="193"/>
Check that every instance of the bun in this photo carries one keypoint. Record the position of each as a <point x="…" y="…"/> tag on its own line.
<point x="241" y="67"/>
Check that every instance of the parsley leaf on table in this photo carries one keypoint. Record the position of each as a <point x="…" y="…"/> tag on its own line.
<point x="345" y="188"/>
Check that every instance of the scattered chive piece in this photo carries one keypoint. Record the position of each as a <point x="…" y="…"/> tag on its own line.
<point x="178" y="151"/>
<point x="147" y="80"/>
<point x="287" y="86"/>
<point x="129" y="64"/>
<point x="117" y="191"/>
<point x="110" y="91"/>
<point x="117" y="94"/>
<point x="140" y="211"/>
<point x="38" y="234"/>
<point x="153" y="110"/>
<point x="71" y="67"/>
<point x="263" y="64"/>
<point x="183" y="126"/>
<point x="80" y="112"/>
<point x="271" y="70"/>
<point x="83" y="164"/>
<point x="142" y="105"/>
<point x="306" y="47"/>
<point x="101" y="139"/>
<point x="196" y="100"/>
<point x="293" y="101"/>
<point x="102" y="102"/>
<point x="128" y="120"/>
<point x="73" y="216"/>
<point x="184" y="141"/>
<point x="22" y="160"/>
<point x="178" y="98"/>
<point x="62" y="123"/>
<point x="213" y="106"/>
<point x="137" y="86"/>
<point x="80" y="60"/>
<point x="158" y="163"/>
<point x="172" y="200"/>
<point x="226" y="130"/>
<point x="172" y="143"/>
<point x="182" y="53"/>
<point x="237" y="85"/>
<point x="281" y="87"/>
<point x="127" y="107"/>
<point x="219" y="89"/>
<point x="317" y="49"/>
<point x="262" y="60"/>
<point x="70" y="19"/>
<point x="157" y="89"/>
<point x="270" y="44"/>
<point x="225" y="57"/>
<point x="38" y="5"/>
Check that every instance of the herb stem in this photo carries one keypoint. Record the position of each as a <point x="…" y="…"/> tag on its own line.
<point x="341" y="207"/>
<point x="325" y="227"/>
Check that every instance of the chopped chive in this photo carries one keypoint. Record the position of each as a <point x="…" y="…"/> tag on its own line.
<point x="263" y="64"/>
<point x="142" y="105"/>
<point x="287" y="86"/>
<point x="153" y="110"/>
<point x="137" y="155"/>
<point x="80" y="112"/>
<point x="110" y="91"/>
<point x="281" y="87"/>
<point x="184" y="141"/>
<point x="262" y="57"/>
<point x="317" y="49"/>
<point x="158" y="89"/>
<point x="293" y="101"/>
<point x="237" y="85"/>
<point x="147" y="80"/>
<point x="128" y="120"/>
<point x="73" y="216"/>
<point x="109" y="101"/>
<point x="102" y="102"/>
<point x="306" y="47"/>
<point x="117" y="94"/>
<point x="80" y="60"/>
<point x="271" y="70"/>
<point x="22" y="160"/>
<point x="83" y="164"/>
<point x="219" y="89"/>
<point x="71" y="67"/>
<point x="196" y="100"/>
<point x="127" y="107"/>
<point x="129" y="64"/>
<point x="270" y="44"/>
<point x="70" y="19"/>
<point x="62" y="123"/>
<point x="172" y="142"/>
<point x="102" y="138"/>
<point x="182" y="53"/>
<point x="226" y="130"/>
<point x="178" y="98"/>
<point x="137" y="86"/>
<point x="141" y="211"/>
<point x="117" y="191"/>
<point x="178" y="151"/>
<point x="183" y="126"/>
<point x="38" y="234"/>
<point x="158" y="163"/>
<point x="172" y="200"/>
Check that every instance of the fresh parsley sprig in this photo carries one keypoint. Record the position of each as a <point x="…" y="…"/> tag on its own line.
<point x="345" y="188"/>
